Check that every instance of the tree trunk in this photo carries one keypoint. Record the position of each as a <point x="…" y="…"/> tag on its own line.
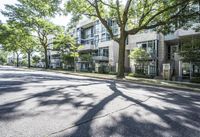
<point x="29" y="59"/>
<point x="190" y="70"/>
<point x="17" y="59"/>
<point x="46" y="58"/>
<point x="74" y="63"/>
<point x="121" y="58"/>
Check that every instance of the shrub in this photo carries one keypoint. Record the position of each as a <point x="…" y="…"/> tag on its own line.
<point x="195" y="80"/>
<point x="113" y="73"/>
<point x="139" y="75"/>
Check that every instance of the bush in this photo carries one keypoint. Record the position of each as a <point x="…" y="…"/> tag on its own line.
<point x="113" y="73"/>
<point x="195" y="80"/>
<point x="139" y="75"/>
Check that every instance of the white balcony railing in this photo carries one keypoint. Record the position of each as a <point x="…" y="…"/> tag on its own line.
<point x="171" y="36"/>
<point x="103" y="58"/>
<point x="87" y="47"/>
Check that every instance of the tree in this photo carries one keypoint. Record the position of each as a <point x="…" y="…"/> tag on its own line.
<point x="35" y="15"/>
<point x="3" y="56"/>
<point x="36" y="59"/>
<point x="132" y="16"/>
<point x="10" y="41"/>
<point x="17" y="39"/>
<point x="140" y="57"/>
<point x="67" y="46"/>
<point x="86" y="57"/>
<point x="68" y="60"/>
<point x="190" y="51"/>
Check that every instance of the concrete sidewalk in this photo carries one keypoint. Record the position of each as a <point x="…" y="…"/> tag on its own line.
<point x="153" y="82"/>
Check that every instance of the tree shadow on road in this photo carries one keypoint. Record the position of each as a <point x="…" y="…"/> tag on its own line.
<point x="181" y="122"/>
<point x="21" y="81"/>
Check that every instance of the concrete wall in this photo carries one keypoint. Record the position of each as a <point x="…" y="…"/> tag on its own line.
<point x="141" y="37"/>
<point x="113" y="53"/>
<point x="162" y="49"/>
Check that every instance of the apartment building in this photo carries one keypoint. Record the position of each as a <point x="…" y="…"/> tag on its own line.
<point x="173" y="43"/>
<point x="54" y="58"/>
<point x="97" y="42"/>
<point x="104" y="51"/>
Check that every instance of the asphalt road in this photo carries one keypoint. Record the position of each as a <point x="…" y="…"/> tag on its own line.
<point x="42" y="104"/>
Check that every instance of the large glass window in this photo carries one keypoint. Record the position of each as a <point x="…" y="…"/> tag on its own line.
<point x="97" y="27"/>
<point x="103" y="29"/>
<point x="105" y="37"/>
<point x="173" y="50"/>
<point x="149" y="46"/>
<point x="96" y="40"/>
<point x="186" y="69"/>
<point x="104" y="52"/>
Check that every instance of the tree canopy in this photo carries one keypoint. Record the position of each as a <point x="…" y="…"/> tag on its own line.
<point x="190" y="49"/>
<point x="17" y="39"/>
<point x="132" y="16"/>
<point x="35" y="15"/>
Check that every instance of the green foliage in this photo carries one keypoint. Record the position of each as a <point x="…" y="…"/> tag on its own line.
<point x="139" y="55"/>
<point x="16" y="37"/>
<point x="36" y="59"/>
<point x="113" y="73"/>
<point x="67" y="59"/>
<point x="139" y="75"/>
<point x="66" y="45"/>
<point x="131" y="17"/>
<point x="195" y="80"/>
<point x="24" y="62"/>
<point x="34" y="15"/>
<point x="190" y="49"/>
<point x="86" y="57"/>
<point x="3" y="57"/>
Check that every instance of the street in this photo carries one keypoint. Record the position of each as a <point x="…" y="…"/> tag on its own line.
<point x="49" y="104"/>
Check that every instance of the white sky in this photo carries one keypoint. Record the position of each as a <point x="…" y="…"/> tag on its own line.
<point x="58" y="20"/>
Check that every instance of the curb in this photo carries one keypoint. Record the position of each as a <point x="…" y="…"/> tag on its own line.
<point x="121" y="80"/>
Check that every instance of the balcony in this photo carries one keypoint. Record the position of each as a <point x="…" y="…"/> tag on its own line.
<point x="170" y="37"/>
<point x="87" y="47"/>
<point x="100" y="58"/>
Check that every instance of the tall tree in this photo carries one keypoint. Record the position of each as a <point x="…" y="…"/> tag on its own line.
<point x="141" y="58"/>
<point x="3" y="56"/>
<point x="35" y="15"/>
<point x="190" y="51"/>
<point x="67" y="46"/>
<point x="16" y="38"/>
<point x="132" y="16"/>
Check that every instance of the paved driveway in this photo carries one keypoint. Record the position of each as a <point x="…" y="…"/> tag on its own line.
<point x="41" y="104"/>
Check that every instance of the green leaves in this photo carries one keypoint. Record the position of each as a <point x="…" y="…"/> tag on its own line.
<point x="139" y="55"/>
<point x="14" y="38"/>
<point x="190" y="49"/>
<point x="66" y="43"/>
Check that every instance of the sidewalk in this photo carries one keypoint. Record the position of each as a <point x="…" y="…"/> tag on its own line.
<point x="152" y="82"/>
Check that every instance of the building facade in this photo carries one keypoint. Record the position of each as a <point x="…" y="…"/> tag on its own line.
<point x="163" y="49"/>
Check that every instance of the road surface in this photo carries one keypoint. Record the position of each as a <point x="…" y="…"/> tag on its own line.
<point x="49" y="104"/>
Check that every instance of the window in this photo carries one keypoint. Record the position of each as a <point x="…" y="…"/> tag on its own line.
<point x="173" y="50"/>
<point x="103" y="37"/>
<point x="103" y="29"/>
<point x="96" y="40"/>
<point x="149" y="46"/>
<point x="144" y="46"/>
<point x="104" y="52"/>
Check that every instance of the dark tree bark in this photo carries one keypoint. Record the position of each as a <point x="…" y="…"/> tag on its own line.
<point x="46" y="58"/>
<point x="121" y="58"/>
<point x="17" y="59"/>
<point x="29" y="59"/>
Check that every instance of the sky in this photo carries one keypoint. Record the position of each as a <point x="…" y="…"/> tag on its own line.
<point x="58" y="20"/>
